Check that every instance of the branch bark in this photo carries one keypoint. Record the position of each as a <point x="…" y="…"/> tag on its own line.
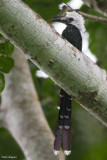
<point x="98" y="5"/>
<point x="66" y="8"/>
<point x="68" y="67"/>
<point x="24" y="117"/>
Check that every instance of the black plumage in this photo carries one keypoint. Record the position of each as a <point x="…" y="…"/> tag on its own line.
<point x="63" y="132"/>
<point x="72" y="34"/>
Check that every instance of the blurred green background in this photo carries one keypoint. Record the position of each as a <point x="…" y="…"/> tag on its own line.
<point x="89" y="137"/>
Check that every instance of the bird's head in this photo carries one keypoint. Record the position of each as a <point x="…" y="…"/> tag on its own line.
<point x="71" y="18"/>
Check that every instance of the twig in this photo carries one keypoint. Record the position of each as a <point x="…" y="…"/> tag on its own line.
<point x="92" y="17"/>
<point x="63" y="11"/>
<point x="67" y="8"/>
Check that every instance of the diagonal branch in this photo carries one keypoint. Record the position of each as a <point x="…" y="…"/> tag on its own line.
<point x="24" y="117"/>
<point x="85" y="15"/>
<point x="68" y="67"/>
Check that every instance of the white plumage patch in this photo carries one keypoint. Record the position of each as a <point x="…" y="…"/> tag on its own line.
<point x="67" y="152"/>
<point x="56" y="152"/>
<point x="78" y="20"/>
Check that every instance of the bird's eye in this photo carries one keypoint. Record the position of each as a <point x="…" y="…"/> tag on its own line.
<point x="71" y="19"/>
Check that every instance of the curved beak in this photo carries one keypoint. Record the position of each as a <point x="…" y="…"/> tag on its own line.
<point x="61" y="19"/>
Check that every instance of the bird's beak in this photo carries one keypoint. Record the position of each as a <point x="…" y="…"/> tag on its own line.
<point x="61" y="19"/>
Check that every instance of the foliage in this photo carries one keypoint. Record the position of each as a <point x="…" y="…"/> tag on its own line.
<point x="2" y="82"/>
<point x="6" y="62"/>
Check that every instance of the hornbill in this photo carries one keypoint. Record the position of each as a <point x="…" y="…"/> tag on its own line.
<point x="74" y="26"/>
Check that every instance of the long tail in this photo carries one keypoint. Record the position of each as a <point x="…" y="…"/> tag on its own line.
<point x="63" y="131"/>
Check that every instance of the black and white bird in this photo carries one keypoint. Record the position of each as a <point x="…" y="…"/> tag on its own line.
<point x="74" y="26"/>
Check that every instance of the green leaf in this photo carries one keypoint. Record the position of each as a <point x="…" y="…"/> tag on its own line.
<point x="1" y="35"/>
<point x="6" y="63"/>
<point x="6" y="48"/>
<point x="2" y="82"/>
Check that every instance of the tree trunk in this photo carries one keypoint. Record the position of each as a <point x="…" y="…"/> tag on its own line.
<point x="68" y="67"/>
<point x="24" y="117"/>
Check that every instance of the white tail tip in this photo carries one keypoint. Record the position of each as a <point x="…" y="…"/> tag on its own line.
<point x="67" y="152"/>
<point x="56" y="152"/>
<point x="58" y="107"/>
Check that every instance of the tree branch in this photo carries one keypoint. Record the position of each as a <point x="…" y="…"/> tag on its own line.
<point x="98" y="5"/>
<point x="24" y="117"/>
<point x="85" y="15"/>
<point x="68" y="67"/>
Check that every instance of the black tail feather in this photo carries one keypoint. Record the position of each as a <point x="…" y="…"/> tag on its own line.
<point x="58" y="139"/>
<point x="63" y="132"/>
<point x="66" y="139"/>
